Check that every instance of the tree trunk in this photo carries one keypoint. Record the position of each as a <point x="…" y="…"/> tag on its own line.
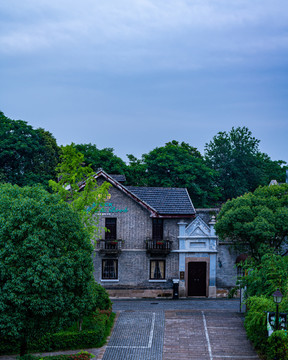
<point x="80" y="324"/>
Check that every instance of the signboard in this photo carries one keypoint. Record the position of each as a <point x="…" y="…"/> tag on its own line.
<point x="108" y="208"/>
<point x="271" y="322"/>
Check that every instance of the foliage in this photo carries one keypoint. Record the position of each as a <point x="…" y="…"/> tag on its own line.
<point x="255" y="320"/>
<point x="136" y="172"/>
<point x="256" y="328"/>
<point x="267" y="276"/>
<point x="78" y="186"/>
<point x="278" y="345"/>
<point x="104" y="159"/>
<point x="100" y="298"/>
<point x="82" y="355"/>
<point x="96" y="328"/>
<point x="27" y="156"/>
<point x="181" y="165"/>
<point x="239" y="164"/>
<point x="256" y="221"/>
<point x="45" y="263"/>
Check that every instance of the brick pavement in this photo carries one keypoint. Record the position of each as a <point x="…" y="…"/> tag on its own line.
<point x="206" y="335"/>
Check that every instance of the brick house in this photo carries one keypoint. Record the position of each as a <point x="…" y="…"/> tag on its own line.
<point x="154" y="236"/>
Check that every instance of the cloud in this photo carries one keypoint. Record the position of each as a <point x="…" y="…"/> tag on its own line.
<point x="143" y="33"/>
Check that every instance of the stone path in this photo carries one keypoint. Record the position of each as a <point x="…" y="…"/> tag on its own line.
<point x="137" y="335"/>
<point x="206" y="335"/>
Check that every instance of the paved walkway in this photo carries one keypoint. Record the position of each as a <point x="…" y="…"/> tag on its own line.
<point x="198" y="329"/>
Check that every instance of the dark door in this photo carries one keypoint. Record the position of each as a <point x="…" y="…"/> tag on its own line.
<point x="197" y="278"/>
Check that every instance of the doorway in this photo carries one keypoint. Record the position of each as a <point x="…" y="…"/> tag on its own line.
<point x="197" y="278"/>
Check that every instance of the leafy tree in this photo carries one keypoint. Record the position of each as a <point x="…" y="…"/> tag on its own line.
<point x="267" y="276"/>
<point x="78" y="186"/>
<point x="27" y="156"/>
<point x="256" y="221"/>
<point x="181" y="165"/>
<point x="239" y="164"/>
<point x="104" y="158"/>
<point x="136" y="172"/>
<point x="45" y="264"/>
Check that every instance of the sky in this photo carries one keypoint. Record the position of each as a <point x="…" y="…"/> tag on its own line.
<point x="134" y="74"/>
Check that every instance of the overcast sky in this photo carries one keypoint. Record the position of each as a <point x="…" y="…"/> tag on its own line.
<point x="135" y="74"/>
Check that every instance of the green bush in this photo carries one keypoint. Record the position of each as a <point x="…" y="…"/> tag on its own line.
<point x="82" y="355"/>
<point x="255" y="320"/>
<point x="101" y="298"/>
<point x="100" y="328"/>
<point x="278" y="345"/>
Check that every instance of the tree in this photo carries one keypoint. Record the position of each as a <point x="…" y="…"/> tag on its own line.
<point x="264" y="278"/>
<point x="45" y="264"/>
<point x="27" y="156"/>
<point x="104" y="158"/>
<point x="239" y="164"/>
<point x="78" y="186"/>
<point x="256" y="221"/>
<point x="136" y="172"/>
<point x="181" y="165"/>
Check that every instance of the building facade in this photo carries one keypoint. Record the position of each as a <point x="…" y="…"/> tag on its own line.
<point x="155" y="235"/>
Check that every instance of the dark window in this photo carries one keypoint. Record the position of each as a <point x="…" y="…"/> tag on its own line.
<point x="157" y="229"/>
<point x="157" y="269"/>
<point x="110" y="224"/>
<point x="109" y="269"/>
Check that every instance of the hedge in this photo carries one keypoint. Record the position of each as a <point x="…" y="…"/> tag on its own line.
<point x="256" y="329"/>
<point x="82" y="355"/>
<point x="66" y="340"/>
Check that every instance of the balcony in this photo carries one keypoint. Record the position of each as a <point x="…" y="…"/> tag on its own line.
<point x="110" y="247"/>
<point x="158" y="247"/>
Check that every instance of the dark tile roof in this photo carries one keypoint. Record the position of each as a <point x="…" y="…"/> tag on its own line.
<point x="172" y="201"/>
<point x="118" y="177"/>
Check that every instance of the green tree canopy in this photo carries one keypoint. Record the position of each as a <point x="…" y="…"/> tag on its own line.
<point x="102" y="158"/>
<point x="27" y="156"/>
<point x="78" y="186"/>
<point x="239" y="164"/>
<point x="45" y="263"/>
<point x="181" y="165"/>
<point x="256" y="221"/>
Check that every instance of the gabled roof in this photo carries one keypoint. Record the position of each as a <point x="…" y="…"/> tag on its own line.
<point x="160" y="202"/>
<point x="119" y="178"/>
<point x="169" y="201"/>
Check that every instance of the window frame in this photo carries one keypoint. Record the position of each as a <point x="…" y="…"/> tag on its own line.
<point x="157" y="263"/>
<point x="112" y="227"/>
<point x="109" y="277"/>
<point x="157" y="229"/>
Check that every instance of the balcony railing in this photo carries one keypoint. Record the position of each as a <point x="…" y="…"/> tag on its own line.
<point x="162" y="247"/>
<point x="110" y="246"/>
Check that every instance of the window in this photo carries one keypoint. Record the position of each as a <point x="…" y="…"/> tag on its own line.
<point x="157" y="229"/>
<point x="157" y="270"/>
<point x="110" y="224"/>
<point x="109" y="269"/>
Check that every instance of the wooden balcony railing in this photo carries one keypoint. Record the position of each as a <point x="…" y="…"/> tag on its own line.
<point x="110" y="246"/>
<point x="162" y="247"/>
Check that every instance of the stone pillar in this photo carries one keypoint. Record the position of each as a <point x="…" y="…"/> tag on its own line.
<point x="182" y="246"/>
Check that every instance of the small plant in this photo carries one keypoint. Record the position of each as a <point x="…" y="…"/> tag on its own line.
<point x="233" y="292"/>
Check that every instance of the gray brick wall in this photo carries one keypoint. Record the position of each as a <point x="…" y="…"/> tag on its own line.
<point x="134" y="227"/>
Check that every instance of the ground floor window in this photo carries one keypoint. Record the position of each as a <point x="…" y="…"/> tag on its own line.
<point x="157" y="269"/>
<point x="109" y="269"/>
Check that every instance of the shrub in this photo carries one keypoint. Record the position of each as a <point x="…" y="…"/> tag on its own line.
<point x="278" y="345"/>
<point x="82" y="355"/>
<point x="255" y="320"/>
